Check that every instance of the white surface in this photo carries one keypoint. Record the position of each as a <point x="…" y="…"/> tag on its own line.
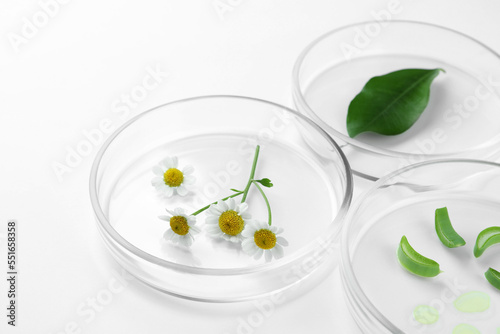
<point x="66" y="79"/>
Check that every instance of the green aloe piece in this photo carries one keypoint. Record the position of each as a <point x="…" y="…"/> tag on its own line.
<point x="465" y="329"/>
<point x="390" y="104"/>
<point x="486" y="238"/>
<point x="472" y="302"/>
<point x="493" y="277"/>
<point x="415" y="263"/>
<point x="445" y="231"/>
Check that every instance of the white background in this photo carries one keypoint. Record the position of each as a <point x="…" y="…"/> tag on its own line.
<point x="67" y="76"/>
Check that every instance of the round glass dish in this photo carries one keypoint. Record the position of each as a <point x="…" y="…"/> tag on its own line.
<point x="217" y="135"/>
<point x="461" y="119"/>
<point x="380" y="294"/>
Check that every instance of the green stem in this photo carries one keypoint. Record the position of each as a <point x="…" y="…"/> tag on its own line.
<point x="269" y="215"/>
<point x="206" y="207"/>
<point x="252" y="173"/>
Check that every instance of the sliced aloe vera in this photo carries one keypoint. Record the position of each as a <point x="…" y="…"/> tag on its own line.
<point x="445" y="231"/>
<point x="414" y="262"/>
<point x="486" y="238"/>
<point x="493" y="277"/>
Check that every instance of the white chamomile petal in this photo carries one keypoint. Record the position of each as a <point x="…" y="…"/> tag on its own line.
<point x="236" y="238"/>
<point x="157" y="181"/>
<point x="268" y="255"/>
<point x="182" y="191"/>
<point x="246" y="215"/>
<point x="214" y="210"/>
<point x="186" y="241"/>
<point x="277" y="252"/>
<point x="187" y="170"/>
<point x="231" y="205"/>
<point x="157" y="170"/>
<point x="273" y="229"/>
<point x="175" y="238"/>
<point x="191" y="221"/>
<point x="282" y="241"/>
<point x="167" y="163"/>
<point x="168" y="234"/>
<point x="258" y="254"/>
<point x="171" y="212"/>
<point x="249" y="247"/>
<point x="242" y="208"/>
<point x="222" y="206"/>
<point x="247" y="233"/>
<point x="212" y="220"/>
<point x="189" y="180"/>
<point x="247" y="244"/>
<point x="213" y="233"/>
<point x="168" y="191"/>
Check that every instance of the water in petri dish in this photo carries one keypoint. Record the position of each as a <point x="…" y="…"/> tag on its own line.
<point x="305" y="197"/>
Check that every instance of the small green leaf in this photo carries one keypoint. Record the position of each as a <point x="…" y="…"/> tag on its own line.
<point x="236" y="190"/>
<point x="265" y="182"/>
<point x="390" y="104"/>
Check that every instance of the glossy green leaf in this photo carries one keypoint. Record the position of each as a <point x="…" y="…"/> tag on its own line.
<point x="390" y="104"/>
<point x="265" y="182"/>
<point x="414" y="262"/>
<point x="445" y="231"/>
<point x="486" y="238"/>
<point x="493" y="277"/>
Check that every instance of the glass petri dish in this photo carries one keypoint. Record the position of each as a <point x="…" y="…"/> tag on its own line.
<point x="217" y="135"/>
<point x="381" y="295"/>
<point x="462" y="119"/>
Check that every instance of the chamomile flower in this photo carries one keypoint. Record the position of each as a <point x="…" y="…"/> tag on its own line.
<point x="182" y="227"/>
<point x="262" y="239"/>
<point x="227" y="220"/>
<point x="170" y="179"/>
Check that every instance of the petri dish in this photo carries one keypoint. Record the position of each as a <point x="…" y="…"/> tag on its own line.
<point x="217" y="135"/>
<point x="385" y="298"/>
<point x="460" y="121"/>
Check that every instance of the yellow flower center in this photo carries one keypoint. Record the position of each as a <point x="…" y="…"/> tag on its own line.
<point x="265" y="239"/>
<point x="179" y="225"/>
<point x="230" y="222"/>
<point x="173" y="177"/>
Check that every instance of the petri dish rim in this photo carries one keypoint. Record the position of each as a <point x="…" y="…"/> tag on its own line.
<point x="299" y="96"/>
<point x="112" y="233"/>
<point x="353" y="287"/>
